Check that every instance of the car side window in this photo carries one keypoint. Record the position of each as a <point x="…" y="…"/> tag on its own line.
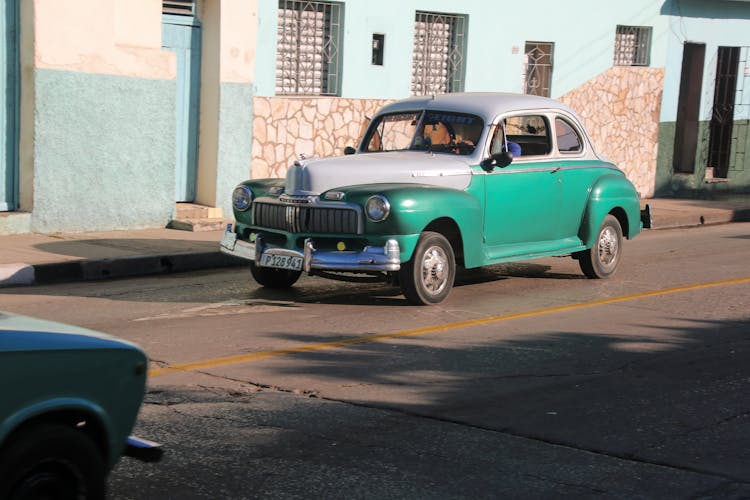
<point x="568" y="140"/>
<point x="526" y="135"/>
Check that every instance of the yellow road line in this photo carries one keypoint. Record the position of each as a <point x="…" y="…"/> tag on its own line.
<point x="241" y="358"/>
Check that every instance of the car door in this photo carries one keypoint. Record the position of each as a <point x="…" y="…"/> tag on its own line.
<point x="522" y="200"/>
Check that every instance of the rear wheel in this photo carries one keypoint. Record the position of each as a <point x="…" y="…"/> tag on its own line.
<point x="602" y="259"/>
<point x="270" y="277"/>
<point x="428" y="277"/>
<point x="54" y="462"/>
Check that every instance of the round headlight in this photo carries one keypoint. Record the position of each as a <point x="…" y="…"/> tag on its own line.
<point x="377" y="208"/>
<point x="242" y="198"/>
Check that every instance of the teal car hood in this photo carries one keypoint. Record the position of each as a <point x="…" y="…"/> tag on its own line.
<point x="22" y="333"/>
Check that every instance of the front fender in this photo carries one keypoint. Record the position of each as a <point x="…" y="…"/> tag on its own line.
<point x="611" y="194"/>
<point x="259" y="187"/>
<point x="63" y="405"/>
<point x="415" y="206"/>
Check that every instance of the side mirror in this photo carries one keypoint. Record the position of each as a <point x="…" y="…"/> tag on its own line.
<point x="501" y="160"/>
<point x="349" y="150"/>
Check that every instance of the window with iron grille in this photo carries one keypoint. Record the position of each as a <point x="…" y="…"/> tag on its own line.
<point x="178" y="7"/>
<point x="537" y="77"/>
<point x="632" y="45"/>
<point x="307" y="55"/>
<point x="439" y="48"/>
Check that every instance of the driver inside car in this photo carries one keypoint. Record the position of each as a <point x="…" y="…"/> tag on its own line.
<point x="438" y="137"/>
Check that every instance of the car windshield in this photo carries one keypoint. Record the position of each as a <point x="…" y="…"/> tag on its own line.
<point x="427" y="130"/>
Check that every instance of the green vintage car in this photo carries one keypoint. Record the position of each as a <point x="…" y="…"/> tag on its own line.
<point x="438" y="182"/>
<point x="69" y="398"/>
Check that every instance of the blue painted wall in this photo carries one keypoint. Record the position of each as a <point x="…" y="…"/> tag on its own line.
<point x="583" y="36"/>
<point x="103" y="152"/>
<point x="713" y="23"/>
<point x="235" y="140"/>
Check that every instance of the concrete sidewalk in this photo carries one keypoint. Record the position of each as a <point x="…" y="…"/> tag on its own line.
<point x="27" y="259"/>
<point x="57" y="258"/>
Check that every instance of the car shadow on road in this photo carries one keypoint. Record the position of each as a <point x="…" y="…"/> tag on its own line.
<point x="666" y="401"/>
<point x="81" y="281"/>
<point x="336" y="292"/>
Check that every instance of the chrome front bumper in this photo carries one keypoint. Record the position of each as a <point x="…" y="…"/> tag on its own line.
<point x="370" y="259"/>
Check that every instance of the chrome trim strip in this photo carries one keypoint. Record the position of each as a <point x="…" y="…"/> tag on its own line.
<point x="431" y="173"/>
<point x="585" y="167"/>
<point x="313" y="201"/>
<point x="507" y="171"/>
<point x="550" y="169"/>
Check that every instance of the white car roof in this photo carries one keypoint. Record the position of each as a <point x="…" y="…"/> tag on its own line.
<point x="487" y="105"/>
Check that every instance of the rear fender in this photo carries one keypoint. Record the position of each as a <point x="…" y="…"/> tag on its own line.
<point x="611" y="194"/>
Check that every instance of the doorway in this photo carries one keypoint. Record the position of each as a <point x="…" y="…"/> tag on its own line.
<point x="9" y="106"/>
<point x="722" y="114"/>
<point x="688" y="108"/>
<point x="181" y="33"/>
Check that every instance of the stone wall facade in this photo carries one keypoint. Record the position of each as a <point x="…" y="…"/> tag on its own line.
<point x="620" y="109"/>
<point x="286" y="127"/>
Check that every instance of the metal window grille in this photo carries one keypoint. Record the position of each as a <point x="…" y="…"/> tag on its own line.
<point x="537" y="78"/>
<point x="307" y="54"/>
<point x="439" y="47"/>
<point x="632" y="45"/>
<point x="178" y="7"/>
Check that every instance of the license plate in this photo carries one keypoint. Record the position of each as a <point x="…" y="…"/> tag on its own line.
<point x="281" y="261"/>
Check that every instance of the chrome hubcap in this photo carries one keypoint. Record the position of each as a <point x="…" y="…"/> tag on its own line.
<point x="608" y="247"/>
<point x="435" y="270"/>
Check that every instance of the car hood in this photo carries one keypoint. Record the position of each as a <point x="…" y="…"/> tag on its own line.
<point x="317" y="175"/>
<point x="22" y="333"/>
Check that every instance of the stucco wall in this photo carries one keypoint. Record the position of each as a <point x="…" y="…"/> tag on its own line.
<point x="123" y="39"/>
<point x="700" y="182"/>
<point x="96" y="137"/>
<point x="583" y="34"/>
<point x="226" y="107"/>
<point x="714" y="24"/>
<point x="620" y="109"/>
<point x="104" y="152"/>
<point x="235" y="133"/>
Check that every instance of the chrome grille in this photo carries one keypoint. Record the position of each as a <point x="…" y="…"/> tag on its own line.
<point x="305" y="218"/>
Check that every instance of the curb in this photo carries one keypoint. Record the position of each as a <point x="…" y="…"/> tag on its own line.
<point x="85" y="270"/>
<point x="706" y="218"/>
<point x="16" y="275"/>
<point x="22" y="274"/>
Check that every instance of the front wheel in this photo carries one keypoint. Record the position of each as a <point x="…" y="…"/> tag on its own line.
<point x="428" y="276"/>
<point x="270" y="277"/>
<point x="52" y="461"/>
<point x="602" y="259"/>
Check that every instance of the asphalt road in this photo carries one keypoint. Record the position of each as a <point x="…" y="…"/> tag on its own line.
<point x="529" y="382"/>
